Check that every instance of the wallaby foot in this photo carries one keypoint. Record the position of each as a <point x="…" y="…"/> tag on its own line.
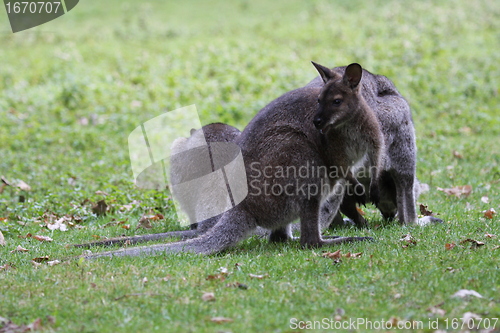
<point x="426" y="220"/>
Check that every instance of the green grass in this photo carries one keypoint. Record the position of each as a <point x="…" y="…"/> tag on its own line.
<point x="73" y="89"/>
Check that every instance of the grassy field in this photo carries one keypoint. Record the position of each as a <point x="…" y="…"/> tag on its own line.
<point x="72" y="90"/>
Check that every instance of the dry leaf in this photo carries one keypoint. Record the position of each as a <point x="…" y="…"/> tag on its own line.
<point x="145" y="223"/>
<point x="474" y="243"/>
<point x="126" y="226"/>
<point x="41" y="259"/>
<point x="2" y="239"/>
<point x="220" y="277"/>
<point x="59" y="225"/>
<point x="360" y="211"/>
<point x="220" y="320"/>
<point x="496" y="247"/>
<point x="485" y="199"/>
<point x="408" y="239"/>
<point x="23" y="186"/>
<point x="254" y="276"/>
<point x="42" y="238"/>
<point x="462" y="293"/>
<point x="425" y="212"/>
<point x="489" y="213"/>
<point x="53" y="262"/>
<point x="332" y="255"/>
<point x="4" y="268"/>
<point x="5" y="181"/>
<point x="101" y="193"/>
<point x="208" y="297"/>
<point x="488" y="235"/>
<point x="456" y="154"/>
<point x="19" y="248"/>
<point x="100" y="208"/>
<point x="468" y="319"/>
<point x="437" y="311"/>
<point x="457" y="191"/>
<point x="449" y="246"/>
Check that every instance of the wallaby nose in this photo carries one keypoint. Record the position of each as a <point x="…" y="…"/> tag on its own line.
<point x="317" y="122"/>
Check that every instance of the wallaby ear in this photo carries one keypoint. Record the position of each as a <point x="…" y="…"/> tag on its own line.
<point x="325" y="73"/>
<point x="352" y="75"/>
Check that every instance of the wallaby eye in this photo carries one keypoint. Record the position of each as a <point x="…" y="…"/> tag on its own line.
<point x="337" y="102"/>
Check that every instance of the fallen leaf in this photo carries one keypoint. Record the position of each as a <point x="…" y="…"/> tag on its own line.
<point x="5" y="181"/>
<point x="456" y="154"/>
<point x="485" y="199"/>
<point x="101" y="193"/>
<point x="19" y="248"/>
<point x="353" y="255"/>
<point x="208" y="297"/>
<point x="496" y="247"/>
<point x="42" y="238"/>
<point x="41" y="259"/>
<point x="457" y="191"/>
<point x="126" y="226"/>
<point x="2" y="239"/>
<point x="462" y="293"/>
<point x="4" y="268"/>
<point x="436" y="310"/>
<point x="408" y="239"/>
<point x="59" y="224"/>
<point x="220" y="320"/>
<point x="100" y="208"/>
<point x="332" y="255"/>
<point x="360" y="211"/>
<point x="53" y="262"/>
<point x="22" y="186"/>
<point x="425" y="212"/>
<point x="488" y="235"/>
<point x="449" y="246"/>
<point x="145" y="223"/>
<point x="145" y="280"/>
<point x="474" y="243"/>
<point x="220" y="277"/>
<point x="489" y="213"/>
<point x="255" y="276"/>
<point x="468" y="319"/>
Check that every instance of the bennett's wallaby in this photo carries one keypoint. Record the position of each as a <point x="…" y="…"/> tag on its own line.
<point x="351" y="126"/>
<point x="398" y="186"/>
<point x="280" y="137"/>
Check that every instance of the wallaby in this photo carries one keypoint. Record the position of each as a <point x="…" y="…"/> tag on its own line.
<point x="353" y="128"/>
<point x="280" y="137"/>
<point x="398" y="184"/>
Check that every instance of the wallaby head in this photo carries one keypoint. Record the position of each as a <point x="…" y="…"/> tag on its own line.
<point x="339" y="98"/>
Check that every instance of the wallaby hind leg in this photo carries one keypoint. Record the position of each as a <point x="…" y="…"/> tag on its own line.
<point x="281" y="235"/>
<point x="234" y="226"/>
<point x="407" y="213"/>
<point x="309" y="228"/>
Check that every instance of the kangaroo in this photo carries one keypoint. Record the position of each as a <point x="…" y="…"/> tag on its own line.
<point x="280" y="137"/>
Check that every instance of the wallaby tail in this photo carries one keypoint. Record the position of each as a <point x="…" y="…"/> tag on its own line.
<point x="234" y="226"/>
<point x="184" y="234"/>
